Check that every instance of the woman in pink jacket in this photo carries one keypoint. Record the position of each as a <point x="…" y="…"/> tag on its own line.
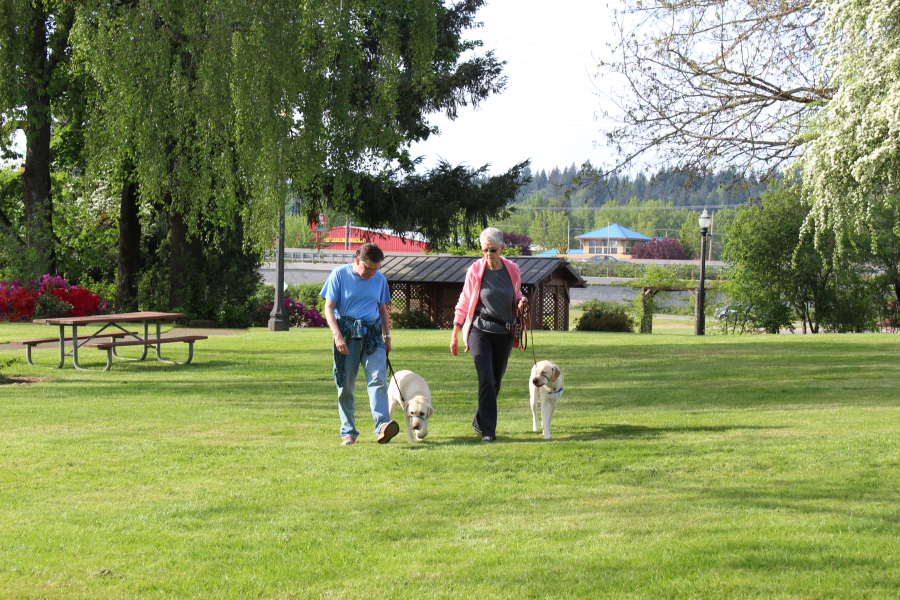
<point x="492" y="290"/>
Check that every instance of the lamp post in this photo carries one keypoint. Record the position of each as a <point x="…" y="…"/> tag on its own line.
<point x="700" y="317"/>
<point x="278" y="318"/>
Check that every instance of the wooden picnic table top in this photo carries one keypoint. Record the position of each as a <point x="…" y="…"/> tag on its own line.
<point x="116" y="318"/>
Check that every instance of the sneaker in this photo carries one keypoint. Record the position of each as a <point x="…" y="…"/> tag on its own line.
<point x="475" y="427"/>
<point x="348" y="440"/>
<point x="488" y="438"/>
<point x="388" y="431"/>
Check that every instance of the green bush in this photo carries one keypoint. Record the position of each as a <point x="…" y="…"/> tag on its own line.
<point x="3" y="365"/>
<point x="605" y="316"/>
<point x="306" y="294"/>
<point x="412" y="319"/>
<point x="235" y="317"/>
<point x="49" y="306"/>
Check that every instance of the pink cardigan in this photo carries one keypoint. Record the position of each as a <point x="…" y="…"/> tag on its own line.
<point x="468" y="300"/>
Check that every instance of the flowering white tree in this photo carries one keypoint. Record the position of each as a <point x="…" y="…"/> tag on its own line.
<point x="853" y="161"/>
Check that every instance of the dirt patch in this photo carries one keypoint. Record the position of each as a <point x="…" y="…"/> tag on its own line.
<point x="16" y="380"/>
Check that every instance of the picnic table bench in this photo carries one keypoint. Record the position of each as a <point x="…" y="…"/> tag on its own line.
<point x="114" y="337"/>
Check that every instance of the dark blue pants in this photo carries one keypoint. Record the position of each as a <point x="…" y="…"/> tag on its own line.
<point x="490" y="351"/>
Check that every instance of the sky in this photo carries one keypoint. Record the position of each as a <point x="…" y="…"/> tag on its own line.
<point x="551" y="110"/>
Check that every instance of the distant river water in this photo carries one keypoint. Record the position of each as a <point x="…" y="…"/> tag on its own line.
<point x="611" y="293"/>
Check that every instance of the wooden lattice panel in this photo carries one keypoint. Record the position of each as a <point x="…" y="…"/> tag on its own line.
<point x="550" y="301"/>
<point x="448" y="296"/>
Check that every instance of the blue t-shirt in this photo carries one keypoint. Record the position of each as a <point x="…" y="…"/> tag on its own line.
<point x="354" y="296"/>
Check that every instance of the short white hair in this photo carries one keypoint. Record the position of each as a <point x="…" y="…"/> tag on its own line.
<point x="491" y="235"/>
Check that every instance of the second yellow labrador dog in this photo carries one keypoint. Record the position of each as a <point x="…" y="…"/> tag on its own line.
<point x="410" y="392"/>
<point x="546" y="383"/>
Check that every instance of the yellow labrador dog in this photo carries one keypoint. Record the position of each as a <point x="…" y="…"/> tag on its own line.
<point x="410" y="392"/>
<point x="546" y="383"/>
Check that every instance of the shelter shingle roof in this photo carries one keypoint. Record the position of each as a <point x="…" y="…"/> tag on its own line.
<point x="452" y="269"/>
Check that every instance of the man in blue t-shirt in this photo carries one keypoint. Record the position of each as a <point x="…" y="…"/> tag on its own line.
<point x="356" y="297"/>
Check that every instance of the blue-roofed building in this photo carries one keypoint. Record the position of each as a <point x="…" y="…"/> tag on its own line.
<point x="611" y="240"/>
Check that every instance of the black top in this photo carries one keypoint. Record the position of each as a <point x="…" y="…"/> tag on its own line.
<point x="495" y="301"/>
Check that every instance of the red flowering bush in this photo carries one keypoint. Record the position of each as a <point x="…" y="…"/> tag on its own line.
<point x="18" y="301"/>
<point x="17" y="304"/>
<point x="83" y="302"/>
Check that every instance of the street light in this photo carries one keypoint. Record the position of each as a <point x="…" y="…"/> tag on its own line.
<point x="700" y="317"/>
<point x="278" y="318"/>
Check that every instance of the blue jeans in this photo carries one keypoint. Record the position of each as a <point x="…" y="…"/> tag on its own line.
<point x="375" y="368"/>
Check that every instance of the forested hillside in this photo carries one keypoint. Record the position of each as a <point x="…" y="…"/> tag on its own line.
<point x="665" y="204"/>
<point x="678" y="187"/>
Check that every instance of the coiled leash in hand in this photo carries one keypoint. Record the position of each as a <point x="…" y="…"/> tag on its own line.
<point x="520" y="331"/>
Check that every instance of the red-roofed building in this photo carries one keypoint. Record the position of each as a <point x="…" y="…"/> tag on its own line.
<point x="335" y="238"/>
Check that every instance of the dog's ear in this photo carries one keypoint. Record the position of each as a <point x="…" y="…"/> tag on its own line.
<point x="430" y="411"/>
<point x="556" y="372"/>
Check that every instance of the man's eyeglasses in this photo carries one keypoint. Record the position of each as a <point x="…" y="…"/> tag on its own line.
<point x="491" y="250"/>
<point x="367" y="268"/>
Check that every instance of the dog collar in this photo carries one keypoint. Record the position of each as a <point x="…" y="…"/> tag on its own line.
<point x="559" y="391"/>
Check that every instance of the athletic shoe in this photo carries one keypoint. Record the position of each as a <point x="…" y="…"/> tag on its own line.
<point x="488" y="438"/>
<point x="475" y="427"/>
<point x="388" y="431"/>
<point x="348" y="440"/>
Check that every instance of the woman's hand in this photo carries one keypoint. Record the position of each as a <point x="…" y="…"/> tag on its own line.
<point x="340" y="344"/>
<point x="454" y="343"/>
<point x="523" y="302"/>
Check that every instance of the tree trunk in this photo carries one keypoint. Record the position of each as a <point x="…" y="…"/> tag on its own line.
<point x="184" y="264"/>
<point x="129" y="260"/>
<point x="38" y="203"/>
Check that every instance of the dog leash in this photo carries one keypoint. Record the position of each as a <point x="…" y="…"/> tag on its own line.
<point x="523" y="341"/>
<point x="394" y="377"/>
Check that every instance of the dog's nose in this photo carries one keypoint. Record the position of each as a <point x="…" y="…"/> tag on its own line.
<point x="537" y="381"/>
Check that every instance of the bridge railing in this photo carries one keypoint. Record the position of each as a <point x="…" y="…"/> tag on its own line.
<point x="312" y="257"/>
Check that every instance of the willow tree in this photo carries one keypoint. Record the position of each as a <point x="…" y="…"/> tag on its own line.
<point x="34" y="76"/>
<point x="211" y="107"/>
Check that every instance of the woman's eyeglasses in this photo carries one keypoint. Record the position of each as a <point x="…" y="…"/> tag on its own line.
<point x="491" y="250"/>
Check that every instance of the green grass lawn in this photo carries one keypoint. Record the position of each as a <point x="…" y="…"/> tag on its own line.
<point x="681" y="467"/>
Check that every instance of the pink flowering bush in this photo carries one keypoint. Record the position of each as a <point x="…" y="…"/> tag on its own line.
<point x="20" y="300"/>
<point x="299" y="315"/>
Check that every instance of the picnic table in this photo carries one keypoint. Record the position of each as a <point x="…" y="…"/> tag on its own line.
<point x="116" y="339"/>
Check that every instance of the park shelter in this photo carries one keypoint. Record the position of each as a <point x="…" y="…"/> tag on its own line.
<point x="433" y="284"/>
<point x="612" y="239"/>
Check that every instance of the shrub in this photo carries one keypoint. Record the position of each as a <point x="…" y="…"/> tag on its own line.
<point x="306" y="294"/>
<point x="605" y="316"/>
<point x="235" y="317"/>
<point x="18" y="303"/>
<point x="49" y="306"/>
<point x="660" y="249"/>
<point x="46" y="297"/>
<point x="3" y="365"/>
<point x="412" y="319"/>
<point x="298" y="314"/>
